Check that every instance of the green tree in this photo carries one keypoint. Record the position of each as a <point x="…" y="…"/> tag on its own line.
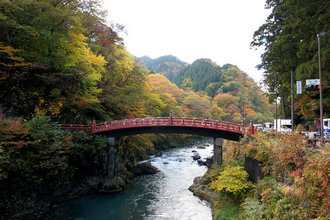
<point x="213" y="88"/>
<point x="187" y="83"/>
<point x="217" y="113"/>
<point x="289" y="39"/>
<point x="198" y="105"/>
<point x="201" y="72"/>
<point x="62" y="74"/>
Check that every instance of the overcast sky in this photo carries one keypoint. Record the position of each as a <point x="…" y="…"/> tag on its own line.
<point x="221" y="30"/>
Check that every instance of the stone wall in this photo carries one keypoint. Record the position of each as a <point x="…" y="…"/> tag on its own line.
<point x="254" y="168"/>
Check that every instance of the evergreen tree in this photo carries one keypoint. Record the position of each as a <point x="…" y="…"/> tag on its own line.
<point x="289" y="39"/>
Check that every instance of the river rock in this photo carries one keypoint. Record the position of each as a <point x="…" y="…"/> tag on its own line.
<point x="201" y="162"/>
<point x="113" y="184"/>
<point x="209" y="162"/>
<point x="201" y="147"/>
<point x="144" y="169"/>
<point x="201" y="188"/>
<point x="93" y="182"/>
<point x="129" y="176"/>
<point x="196" y="156"/>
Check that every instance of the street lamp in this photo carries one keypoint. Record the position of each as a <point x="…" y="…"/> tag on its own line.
<point x="276" y="101"/>
<point x="320" y="72"/>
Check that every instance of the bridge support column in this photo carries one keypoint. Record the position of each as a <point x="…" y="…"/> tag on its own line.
<point x="217" y="151"/>
<point x="111" y="156"/>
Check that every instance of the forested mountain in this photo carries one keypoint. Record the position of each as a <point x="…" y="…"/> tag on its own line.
<point x="222" y="93"/>
<point x="67" y="63"/>
<point x="201" y="73"/>
<point x="169" y="65"/>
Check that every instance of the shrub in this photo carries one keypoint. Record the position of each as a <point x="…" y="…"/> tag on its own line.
<point x="296" y="184"/>
<point x="252" y="209"/>
<point x="233" y="180"/>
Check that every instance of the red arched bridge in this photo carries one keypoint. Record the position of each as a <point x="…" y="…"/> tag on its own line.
<point x="204" y="127"/>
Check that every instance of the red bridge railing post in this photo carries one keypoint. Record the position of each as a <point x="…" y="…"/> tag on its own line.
<point x="251" y="128"/>
<point x="93" y="126"/>
<point x="171" y="117"/>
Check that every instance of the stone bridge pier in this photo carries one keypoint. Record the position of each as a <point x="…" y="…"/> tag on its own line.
<point x="113" y="165"/>
<point x="217" y="151"/>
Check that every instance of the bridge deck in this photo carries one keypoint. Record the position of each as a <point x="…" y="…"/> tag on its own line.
<point x="168" y="121"/>
<point x="160" y="122"/>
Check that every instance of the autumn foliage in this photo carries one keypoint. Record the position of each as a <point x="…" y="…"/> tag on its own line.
<point x="233" y="179"/>
<point x="295" y="174"/>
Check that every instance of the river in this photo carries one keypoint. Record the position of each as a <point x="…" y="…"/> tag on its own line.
<point x="164" y="195"/>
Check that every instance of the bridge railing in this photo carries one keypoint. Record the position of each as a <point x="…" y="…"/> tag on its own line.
<point x="160" y="121"/>
<point x="135" y="122"/>
<point x="207" y="123"/>
<point x="169" y="121"/>
<point x="75" y="127"/>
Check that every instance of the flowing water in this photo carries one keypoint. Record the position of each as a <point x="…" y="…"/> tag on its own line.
<point x="164" y="195"/>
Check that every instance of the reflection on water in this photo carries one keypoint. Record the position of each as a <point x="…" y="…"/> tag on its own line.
<point x="164" y="195"/>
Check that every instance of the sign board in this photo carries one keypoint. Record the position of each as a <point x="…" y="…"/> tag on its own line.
<point x="298" y="87"/>
<point x="312" y="82"/>
<point x="285" y="122"/>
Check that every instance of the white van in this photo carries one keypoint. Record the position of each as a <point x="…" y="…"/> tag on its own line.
<point x="284" y="125"/>
<point x="268" y="127"/>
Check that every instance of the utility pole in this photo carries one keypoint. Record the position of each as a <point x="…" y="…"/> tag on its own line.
<point x="292" y="101"/>
<point x="321" y="96"/>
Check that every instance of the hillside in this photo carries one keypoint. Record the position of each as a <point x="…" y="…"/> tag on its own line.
<point x="202" y="73"/>
<point x="223" y="93"/>
<point x="169" y="65"/>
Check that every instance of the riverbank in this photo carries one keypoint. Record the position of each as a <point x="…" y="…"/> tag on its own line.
<point x="42" y="166"/>
<point x="201" y="189"/>
<point x="290" y="168"/>
<point x="162" y="195"/>
<point x="38" y="205"/>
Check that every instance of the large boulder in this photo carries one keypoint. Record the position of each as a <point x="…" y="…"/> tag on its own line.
<point x="209" y="162"/>
<point x="201" y="188"/>
<point x="143" y="169"/>
<point x="114" y="184"/>
<point x="196" y="156"/>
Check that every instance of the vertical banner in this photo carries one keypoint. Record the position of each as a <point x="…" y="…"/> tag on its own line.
<point x="298" y="87"/>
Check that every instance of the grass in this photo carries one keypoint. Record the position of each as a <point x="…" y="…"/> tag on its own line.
<point x="226" y="208"/>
